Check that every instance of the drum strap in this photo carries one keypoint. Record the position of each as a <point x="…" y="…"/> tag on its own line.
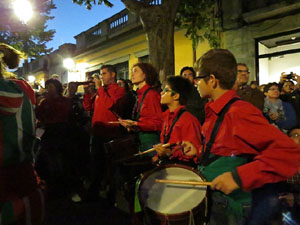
<point x="137" y="113"/>
<point x="191" y="220"/>
<point x="167" y="136"/>
<point x="206" y="159"/>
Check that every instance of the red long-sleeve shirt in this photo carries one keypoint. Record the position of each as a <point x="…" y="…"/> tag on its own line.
<point x="104" y="101"/>
<point x="88" y="102"/>
<point x="245" y="131"/>
<point x="54" y="110"/>
<point x="187" y="128"/>
<point x="151" y="114"/>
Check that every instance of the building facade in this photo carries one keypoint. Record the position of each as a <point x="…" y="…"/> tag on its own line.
<point x="45" y="66"/>
<point x="264" y="34"/>
<point x="121" y="41"/>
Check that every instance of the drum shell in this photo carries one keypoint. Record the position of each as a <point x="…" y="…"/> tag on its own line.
<point x="153" y="217"/>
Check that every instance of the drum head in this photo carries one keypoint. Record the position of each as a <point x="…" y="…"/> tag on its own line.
<point x="171" y="198"/>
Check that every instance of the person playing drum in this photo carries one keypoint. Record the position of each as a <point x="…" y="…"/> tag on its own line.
<point x="246" y="153"/>
<point x="147" y="112"/>
<point x="178" y="124"/>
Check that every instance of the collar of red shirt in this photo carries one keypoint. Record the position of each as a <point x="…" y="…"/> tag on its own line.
<point x="143" y="89"/>
<point x="219" y="104"/>
<point x="112" y="85"/>
<point x="168" y="114"/>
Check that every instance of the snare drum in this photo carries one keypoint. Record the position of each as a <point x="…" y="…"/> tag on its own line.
<point x="174" y="204"/>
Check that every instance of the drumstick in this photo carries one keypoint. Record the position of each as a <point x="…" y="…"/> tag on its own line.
<point x="200" y="183"/>
<point x="113" y="122"/>
<point x="142" y="153"/>
<point x="152" y="150"/>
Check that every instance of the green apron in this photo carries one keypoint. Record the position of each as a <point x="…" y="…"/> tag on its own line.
<point x="227" y="164"/>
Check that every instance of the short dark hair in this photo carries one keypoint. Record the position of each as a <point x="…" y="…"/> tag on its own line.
<point x="181" y="86"/>
<point x="289" y="131"/>
<point x="188" y="68"/>
<point x="110" y="68"/>
<point x="267" y="87"/>
<point x="222" y="64"/>
<point x="242" y="64"/>
<point x="152" y="77"/>
<point x="126" y="86"/>
<point x="56" y="83"/>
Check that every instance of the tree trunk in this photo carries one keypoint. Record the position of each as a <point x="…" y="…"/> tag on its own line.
<point x="161" y="47"/>
<point x="158" y="23"/>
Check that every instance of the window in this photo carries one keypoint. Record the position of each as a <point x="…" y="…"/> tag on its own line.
<point x="144" y="59"/>
<point x="122" y="70"/>
<point x="276" y="54"/>
<point x="97" y="32"/>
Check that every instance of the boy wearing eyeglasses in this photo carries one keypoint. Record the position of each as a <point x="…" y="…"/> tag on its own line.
<point x="178" y="124"/>
<point x="247" y="154"/>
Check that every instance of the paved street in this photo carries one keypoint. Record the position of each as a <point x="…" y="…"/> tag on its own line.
<point x="64" y="212"/>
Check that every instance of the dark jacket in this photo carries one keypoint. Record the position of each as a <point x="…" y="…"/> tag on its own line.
<point x="254" y="96"/>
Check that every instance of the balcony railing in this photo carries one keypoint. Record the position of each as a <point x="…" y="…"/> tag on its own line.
<point x="119" y="22"/>
<point x="108" y="28"/>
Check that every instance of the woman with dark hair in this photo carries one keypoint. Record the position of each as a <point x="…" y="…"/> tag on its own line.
<point x="21" y="195"/>
<point x="147" y="113"/>
<point x="55" y="108"/>
<point x="53" y="114"/>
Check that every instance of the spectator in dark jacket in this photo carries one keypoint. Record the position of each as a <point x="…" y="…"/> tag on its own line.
<point x="254" y="96"/>
<point x="290" y="92"/>
<point x="195" y="104"/>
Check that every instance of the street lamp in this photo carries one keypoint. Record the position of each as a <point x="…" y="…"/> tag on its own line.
<point x="23" y="10"/>
<point x="69" y="63"/>
<point x="31" y="78"/>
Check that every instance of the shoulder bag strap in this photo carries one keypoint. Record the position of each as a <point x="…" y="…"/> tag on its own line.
<point x="141" y="104"/>
<point x="205" y="154"/>
<point x="167" y="136"/>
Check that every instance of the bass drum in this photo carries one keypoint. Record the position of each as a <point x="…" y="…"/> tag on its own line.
<point x="174" y="204"/>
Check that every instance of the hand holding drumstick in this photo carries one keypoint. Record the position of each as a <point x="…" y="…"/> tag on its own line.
<point x="186" y="147"/>
<point x="128" y="124"/>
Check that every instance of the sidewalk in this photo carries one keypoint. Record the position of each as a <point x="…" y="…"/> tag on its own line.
<point x="65" y="212"/>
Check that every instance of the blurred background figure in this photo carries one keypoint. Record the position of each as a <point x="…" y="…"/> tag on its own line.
<point x="79" y="136"/>
<point x="244" y="91"/>
<point x="195" y="104"/>
<point x="291" y="198"/>
<point x="55" y="76"/>
<point x="278" y="112"/>
<point x="53" y="114"/>
<point x="254" y="84"/>
<point x="89" y="96"/>
<point x="290" y="91"/>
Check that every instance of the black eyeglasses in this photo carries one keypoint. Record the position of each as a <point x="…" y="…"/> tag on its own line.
<point x="168" y="90"/>
<point x="201" y="76"/>
<point x="243" y="71"/>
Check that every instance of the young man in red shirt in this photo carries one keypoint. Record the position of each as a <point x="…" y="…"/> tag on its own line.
<point x="178" y="124"/>
<point x="247" y="152"/>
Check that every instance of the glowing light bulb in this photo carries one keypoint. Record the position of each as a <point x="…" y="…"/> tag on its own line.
<point x="23" y="10"/>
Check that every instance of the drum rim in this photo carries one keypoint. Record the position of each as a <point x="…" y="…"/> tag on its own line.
<point x="175" y="216"/>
